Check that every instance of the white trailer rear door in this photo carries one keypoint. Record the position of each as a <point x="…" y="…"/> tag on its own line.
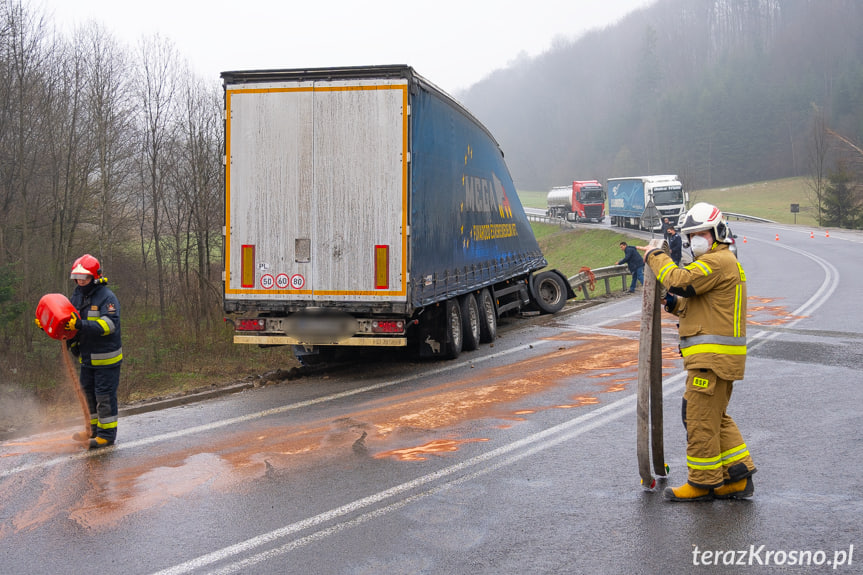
<point x="316" y="190"/>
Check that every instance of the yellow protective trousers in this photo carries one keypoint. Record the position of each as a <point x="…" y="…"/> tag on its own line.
<point x="715" y="451"/>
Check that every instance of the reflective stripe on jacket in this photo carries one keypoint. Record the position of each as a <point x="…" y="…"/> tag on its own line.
<point x="711" y="306"/>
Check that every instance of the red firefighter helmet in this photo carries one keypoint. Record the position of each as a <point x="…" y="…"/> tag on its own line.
<point x="86" y="267"/>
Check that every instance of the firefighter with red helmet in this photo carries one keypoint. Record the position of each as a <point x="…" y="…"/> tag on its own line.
<point x="709" y="298"/>
<point x="98" y="348"/>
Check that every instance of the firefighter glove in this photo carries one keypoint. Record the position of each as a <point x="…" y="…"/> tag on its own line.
<point x="74" y="322"/>
<point x="670" y="302"/>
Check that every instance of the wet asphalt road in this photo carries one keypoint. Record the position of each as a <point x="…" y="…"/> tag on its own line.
<point x="518" y="458"/>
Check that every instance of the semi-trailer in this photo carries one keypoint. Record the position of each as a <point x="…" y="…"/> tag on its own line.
<point x="366" y="207"/>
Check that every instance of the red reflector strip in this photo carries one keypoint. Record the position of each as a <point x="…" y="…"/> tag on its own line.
<point x="388" y="326"/>
<point x="247" y="265"/>
<point x="250" y="325"/>
<point x="382" y="267"/>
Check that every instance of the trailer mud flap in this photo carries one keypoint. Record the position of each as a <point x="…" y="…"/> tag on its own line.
<point x="440" y="331"/>
<point x="430" y="337"/>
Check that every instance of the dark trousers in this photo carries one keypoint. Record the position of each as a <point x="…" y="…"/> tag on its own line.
<point x="100" y="388"/>
<point x="637" y="276"/>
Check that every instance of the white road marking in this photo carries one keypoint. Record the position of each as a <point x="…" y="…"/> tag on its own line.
<point x="508" y="454"/>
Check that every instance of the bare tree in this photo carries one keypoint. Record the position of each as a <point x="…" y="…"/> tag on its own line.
<point x="21" y="100"/>
<point x="157" y="87"/>
<point x="110" y="109"/>
<point x="68" y="154"/>
<point x="819" y="148"/>
<point x="200" y="182"/>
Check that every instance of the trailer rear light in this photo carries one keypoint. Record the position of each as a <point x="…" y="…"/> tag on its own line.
<point x="250" y="324"/>
<point x="388" y="326"/>
<point x="382" y="267"/>
<point x="247" y="264"/>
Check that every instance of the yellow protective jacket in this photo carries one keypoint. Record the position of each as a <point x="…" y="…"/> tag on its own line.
<point x="711" y="306"/>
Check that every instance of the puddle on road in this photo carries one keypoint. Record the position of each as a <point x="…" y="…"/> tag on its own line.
<point x="99" y="492"/>
<point x="113" y="494"/>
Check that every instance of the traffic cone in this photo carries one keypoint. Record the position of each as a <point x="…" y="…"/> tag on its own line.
<point x="827" y="235"/>
<point x="777" y="237"/>
<point x="811" y="235"/>
<point x="744" y="239"/>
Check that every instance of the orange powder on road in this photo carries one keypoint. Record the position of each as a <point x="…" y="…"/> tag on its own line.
<point x="421" y="452"/>
<point x="775" y="314"/>
<point x="398" y="426"/>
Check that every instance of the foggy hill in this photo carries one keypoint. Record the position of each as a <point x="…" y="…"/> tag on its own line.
<point x="721" y="92"/>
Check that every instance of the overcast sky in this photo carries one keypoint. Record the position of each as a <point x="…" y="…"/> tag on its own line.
<point x="453" y="43"/>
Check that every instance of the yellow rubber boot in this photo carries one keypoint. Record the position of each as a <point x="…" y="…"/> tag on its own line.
<point x="742" y="489"/>
<point x="99" y="442"/>
<point x="687" y="492"/>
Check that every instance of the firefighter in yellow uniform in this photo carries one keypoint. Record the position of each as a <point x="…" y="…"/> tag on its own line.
<point x="709" y="298"/>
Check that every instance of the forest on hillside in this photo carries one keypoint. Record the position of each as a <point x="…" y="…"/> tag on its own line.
<point x="721" y="92"/>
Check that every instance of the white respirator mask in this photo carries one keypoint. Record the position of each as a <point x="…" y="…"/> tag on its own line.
<point x="699" y="245"/>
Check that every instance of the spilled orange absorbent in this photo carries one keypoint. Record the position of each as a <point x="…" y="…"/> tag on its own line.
<point x="72" y="378"/>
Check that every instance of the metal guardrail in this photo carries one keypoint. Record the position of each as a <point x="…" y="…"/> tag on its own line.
<point x="547" y="220"/>
<point x="581" y="280"/>
<point x="729" y="215"/>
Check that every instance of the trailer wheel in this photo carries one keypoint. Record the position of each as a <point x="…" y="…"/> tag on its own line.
<point x="487" y="317"/>
<point x="550" y="292"/>
<point x="470" y="322"/>
<point x="454" y="329"/>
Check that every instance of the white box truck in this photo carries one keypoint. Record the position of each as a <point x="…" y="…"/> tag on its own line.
<point x="629" y="197"/>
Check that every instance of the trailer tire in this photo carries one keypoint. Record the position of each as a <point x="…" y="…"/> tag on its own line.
<point x="487" y="317"/>
<point x="470" y="322"/>
<point x="549" y="291"/>
<point x="454" y="329"/>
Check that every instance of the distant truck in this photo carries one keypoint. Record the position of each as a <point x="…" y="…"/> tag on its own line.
<point x="583" y="201"/>
<point x="365" y="207"/>
<point x="628" y="198"/>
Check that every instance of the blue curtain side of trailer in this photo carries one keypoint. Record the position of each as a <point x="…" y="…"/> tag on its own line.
<point x="626" y="198"/>
<point x="468" y="226"/>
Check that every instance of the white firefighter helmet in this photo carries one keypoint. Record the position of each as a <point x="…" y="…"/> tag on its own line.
<point x="703" y="216"/>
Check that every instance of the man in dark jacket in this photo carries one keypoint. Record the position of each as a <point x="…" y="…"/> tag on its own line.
<point x="98" y="348"/>
<point x="633" y="259"/>
<point x="675" y="244"/>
